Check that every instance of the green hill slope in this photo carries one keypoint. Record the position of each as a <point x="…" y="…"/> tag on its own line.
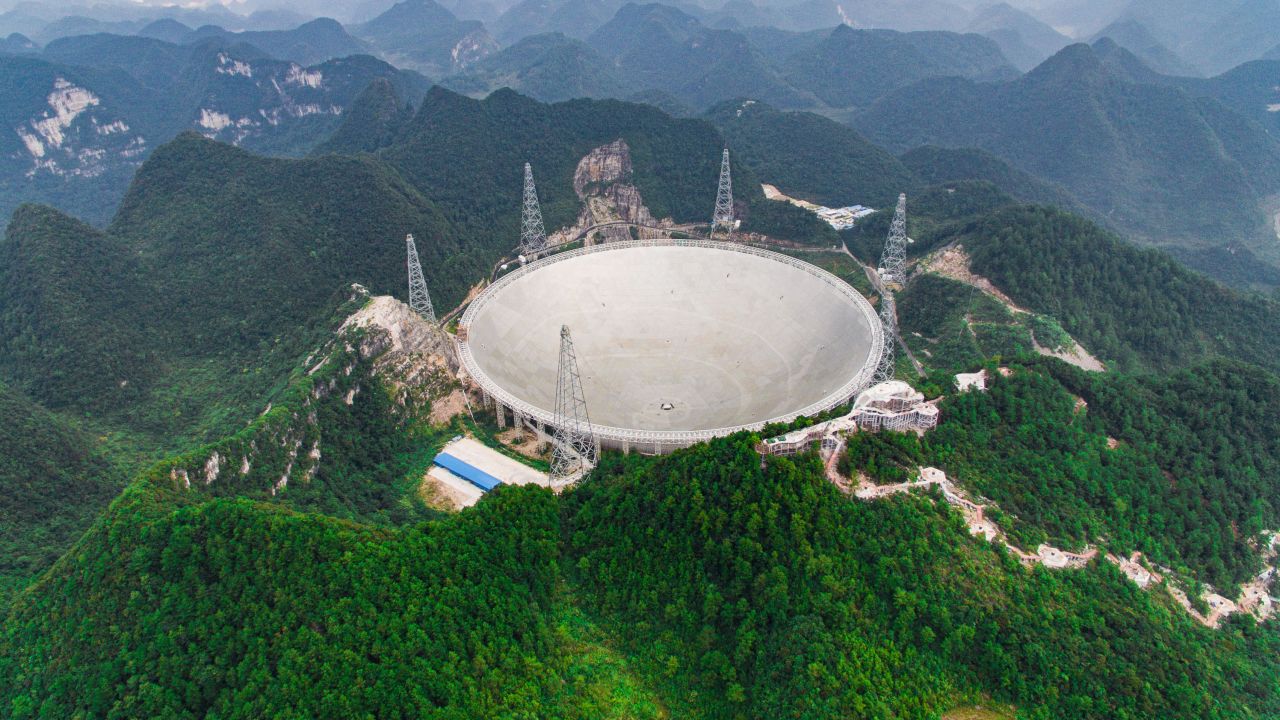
<point x="809" y="156"/>
<point x="937" y="166"/>
<point x="210" y="283"/>
<point x="763" y="592"/>
<point x="54" y="481"/>
<point x="1136" y="307"/>
<point x="239" y="609"/>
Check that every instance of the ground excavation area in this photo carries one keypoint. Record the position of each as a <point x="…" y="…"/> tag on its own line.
<point x="669" y="337"/>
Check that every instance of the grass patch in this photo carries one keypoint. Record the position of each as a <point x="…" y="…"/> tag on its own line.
<point x="599" y="681"/>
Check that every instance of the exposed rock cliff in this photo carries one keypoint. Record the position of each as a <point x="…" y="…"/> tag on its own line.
<point x="604" y="166"/>
<point x="603" y="183"/>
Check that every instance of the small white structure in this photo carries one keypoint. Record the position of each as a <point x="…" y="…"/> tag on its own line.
<point x="794" y="442"/>
<point x="893" y="405"/>
<point x="971" y="381"/>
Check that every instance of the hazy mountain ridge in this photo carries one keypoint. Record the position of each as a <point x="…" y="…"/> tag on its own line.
<point x="1023" y="38"/>
<point x="422" y="35"/>
<point x="1137" y="39"/>
<point x="853" y="68"/>
<point x="1155" y="160"/>
<point x="550" y="67"/>
<point x="659" y="47"/>
<point x="81" y="132"/>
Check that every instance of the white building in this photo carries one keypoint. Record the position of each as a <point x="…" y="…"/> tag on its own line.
<point x="893" y="405"/>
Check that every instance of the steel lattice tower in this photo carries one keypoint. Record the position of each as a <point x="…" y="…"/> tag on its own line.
<point x="893" y="262"/>
<point x="723" y="215"/>
<point x="574" y="443"/>
<point x="533" y="236"/>
<point x="419" y="299"/>
<point x="889" y="322"/>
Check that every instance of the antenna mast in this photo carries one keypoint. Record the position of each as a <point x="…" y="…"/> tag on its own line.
<point x="533" y="236"/>
<point x="575" y="446"/>
<point x="419" y="299"/>
<point x="723" y="215"/>
<point x="892" y="270"/>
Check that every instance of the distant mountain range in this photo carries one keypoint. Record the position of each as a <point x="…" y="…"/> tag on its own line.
<point x="1154" y="159"/>
<point x="88" y="110"/>
<point x="1211" y="35"/>
<point x="659" y="48"/>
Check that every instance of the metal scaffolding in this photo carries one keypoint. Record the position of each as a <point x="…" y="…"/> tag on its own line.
<point x="723" y="215"/>
<point x="575" y="449"/>
<point x="419" y="299"/>
<point x="533" y="236"/>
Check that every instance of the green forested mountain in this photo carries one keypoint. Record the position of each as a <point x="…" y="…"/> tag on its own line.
<point x="208" y="284"/>
<point x="1162" y="165"/>
<point x="373" y="120"/>
<point x="1135" y="307"/>
<point x="809" y="156"/>
<point x="82" y="163"/>
<point x="933" y="165"/>
<point x="1249" y="89"/>
<point x="467" y="155"/>
<point x="761" y="591"/>
<point x="181" y="606"/>
<point x="18" y="44"/>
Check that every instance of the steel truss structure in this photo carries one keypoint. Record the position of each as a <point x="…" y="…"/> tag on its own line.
<point x="722" y="217"/>
<point x="533" y="236"/>
<point x="575" y="449"/>
<point x="419" y="298"/>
